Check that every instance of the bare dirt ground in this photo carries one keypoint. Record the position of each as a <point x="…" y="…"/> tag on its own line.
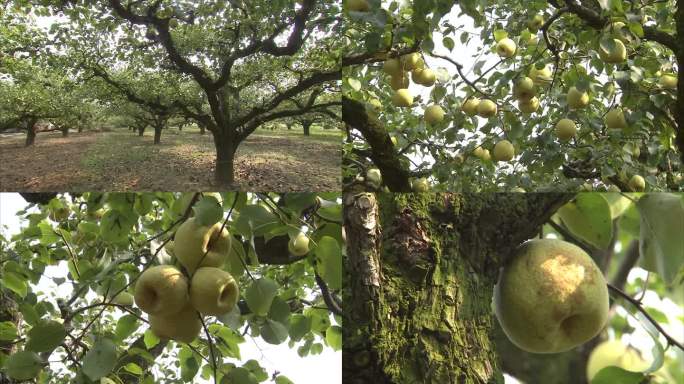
<point x="279" y="161"/>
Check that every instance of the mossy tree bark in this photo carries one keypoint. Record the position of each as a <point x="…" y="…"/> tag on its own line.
<point x="420" y="273"/>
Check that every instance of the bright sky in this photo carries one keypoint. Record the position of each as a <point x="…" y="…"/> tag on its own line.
<point x="326" y="367"/>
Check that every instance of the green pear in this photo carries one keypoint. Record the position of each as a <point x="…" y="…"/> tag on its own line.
<point x="374" y="177"/>
<point x="357" y="5"/>
<point x="637" y="183"/>
<point x="161" y="290"/>
<point x="668" y="81"/>
<point x="469" y="107"/>
<point x="504" y="151"/>
<point x="434" y="114"/>
<point x="486" y="108"/>
<point x="198" y="245"/>
<point x="482" y="154"/>
<point x="213" y="291"/>
<point x="183" y="326"/>
<point x="613" y="53"/>
<point x="506" y="47"/>
<point x="400" y="81"/>
<point x="541" y="76"/>
<point x="524" y="88"/>
<point x="613" y="354"/>
<point x="420" y="185"/>
<point x="528" y="106"/>
<point x="565" y="129"/>
<point x="402" y="98"/>
<point x="425" y="77"/>
<point x="298" y="245"/>
<point x="535" y="23"/>
<point x="392" y="67"/>
<point x="577" y="99"/>
<point x="412" y="61"/>
<point x="550" y="297"/>
<point x="615" y="119"/>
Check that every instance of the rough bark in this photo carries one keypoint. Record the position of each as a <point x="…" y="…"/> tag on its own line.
<point x="307" y="127"/>
<point x="157" y="133"/>
<point x="420" y="274"/>
<point x="30" y="132"/>
<point x="224" y="173"/>
<point x="8" y="312"/>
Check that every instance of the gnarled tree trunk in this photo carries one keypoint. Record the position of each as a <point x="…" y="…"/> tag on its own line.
<point x="420" y="271"/>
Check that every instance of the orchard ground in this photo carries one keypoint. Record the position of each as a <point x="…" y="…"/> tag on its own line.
<point x="120" y="160"/>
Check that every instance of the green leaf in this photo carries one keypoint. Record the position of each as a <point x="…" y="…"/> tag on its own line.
<point x="661" y="243"/>
<point x="115" y="226"/>
<point x="333" y="336"/>
<point x="150" y="339"/>
<point x="15" y="282"/>
<point x="47" y="233"/>
<point x="280" y="310"/>
<point x="208" y="210"/>
<point x="133" y="368"/>
<point x="125" y="326"/>
<point x="100" y="360"/>
<point x="189" y="367"/>
<point x="589" y="218"/>
<point x="8" y="331"/>
<point x="329" y="262"/>
<point x="255" y="220"/>
<point x="617" y="375"/>
<point x="260" y="294"/>
<point x="23" y="365"/>
<point x="239" y="375"/>
<point x="45" y="336"/>
<point x="280" y="379"/>
<point x="273" y="332"/>
<point x="300" y="325"/>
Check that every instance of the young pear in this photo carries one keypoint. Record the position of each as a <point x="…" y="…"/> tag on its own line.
<point x="161" y="290"/>
<point x="637" y="183"/>
<point x="469" y="107"/>
<point x="402" y="98"/>
<point x="298" y="245"/>
<point x="550" y="297"/>
<point x="615" y="119"/>
<point x="420" y="185"/>
<point x="668" y="81"/>
<point x="504" y="151"/>
<point x="506" y="47"/>
<point x="541" y="76"/>
<point x="486" y="108"/>
<point x="425" y="77"/>
<point x="434" y="114"/>
<point x="577" y="99"/>
<point x="400" y="81"/>
<point x="182" y="326"/>
<point x="198" y="245"/>
<point x="528" y="106"/>
<point x="524" y="89"/>
<point x="392" y="67"/>
<point x="565" y="129"/>
<point x="482" y="154"/>
<point x="213" y="291"/>
<point x="357" y="5"/>
<point x="614" y="52"/>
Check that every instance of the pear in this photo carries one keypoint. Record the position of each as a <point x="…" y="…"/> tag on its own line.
<point x="357" y="5"/>
<point x="576" y="98"/>
<point x="565" y="129"/>
<point x="213" y="291"/>
<point x="613" y="53"/>
<point x="402" y="98"/>
<point x="486" y="108"/>
<point x="482" y="154"/>
<point x="469" y="107"/>
<point x="198" y="245"/>
<point x="434" y="114"/>
<point x="613" y="353"/>
<point x="524" y="89"/>
<point x="184" y="325"/>
<point x="400" y="81"/>
<point x="392" y="67"/>
<point x="550" y="297"/>
<point x="425" y="77"/>
<point x="637" y="183"/>
<point x="420" y="185"/>
<point x="535" y="23"/>
<point x="668" y="81"/>
<point x="374" y="176"/>
<point x="375" y="103"/>
<point x="504" y="151"/>
<point x="298" y="245"/>
<point x="540" y="76"/>
<point x="506" y="47"/>
<point x="161" y="290"/>
<point x="528" y="106"/>
<point x="615" y="119"/>
<point x="412" y="61"/>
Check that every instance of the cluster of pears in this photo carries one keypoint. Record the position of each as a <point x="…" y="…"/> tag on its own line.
<point x="172" y="300"/>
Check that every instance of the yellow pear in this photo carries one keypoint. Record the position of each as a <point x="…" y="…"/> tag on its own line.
<point x="357" y="5"/>
<point x="541" y="76"/>
<point x="613" y="354"/>
<point x="425" y="77"/>
<point x="400" y="81"/>
<point x="213" y="291"/>
<point x="394" y="140"/>
<point x="486" y="108"/>
<point x="392" y="67"/>
<point x="637" y="183"/>
<point x="565" y="129"/>
<point x="298" y="245"/>
<point x="161" y="290"/>
<point x="550" y="297"/>
<point x="375" y="103"/>
<point x="482" y="154"/>
<point x="617" y="53"/>
<point x="617" y="29"/>
<point x="402" y="98"/>
<point x="201" y="246"/>
<point x="504" y="151"/>
<point x="615" y="119"/>
<point x="576" y="98"/>
<point x="184" y="325"/>
<point x="524" y="89"/>
<point x="535" y="23"/>
<point x="411" y="61"/>
<point x="505" y="47"/>
<point x="668" y="81"/>
<point x="434" y="114"/>
<point x="420" y="185"/>
<point x="528" y="106"/>
<point x="469" y="107"/>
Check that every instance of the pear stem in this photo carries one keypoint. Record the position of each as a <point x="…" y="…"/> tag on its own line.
<point x="640" y="308"/>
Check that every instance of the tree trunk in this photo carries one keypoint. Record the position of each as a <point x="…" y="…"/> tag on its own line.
<point x="8" y="312"/>
<point x="225" y="157"/>
<point x="30" y="132"/>
<point x="141" y="130"/>
<point x="157" y="133"/>
<point x="420" y="270"/>
<point x="307" y="127"/>
<point x="80" y="129"/>
<point x="203" y="130"/>
<point x="65" y="131"/>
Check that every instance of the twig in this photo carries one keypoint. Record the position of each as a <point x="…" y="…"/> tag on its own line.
<point x="327" y="296"/>
<point x="211" y="346"/>
<point x="637" y="304"/>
